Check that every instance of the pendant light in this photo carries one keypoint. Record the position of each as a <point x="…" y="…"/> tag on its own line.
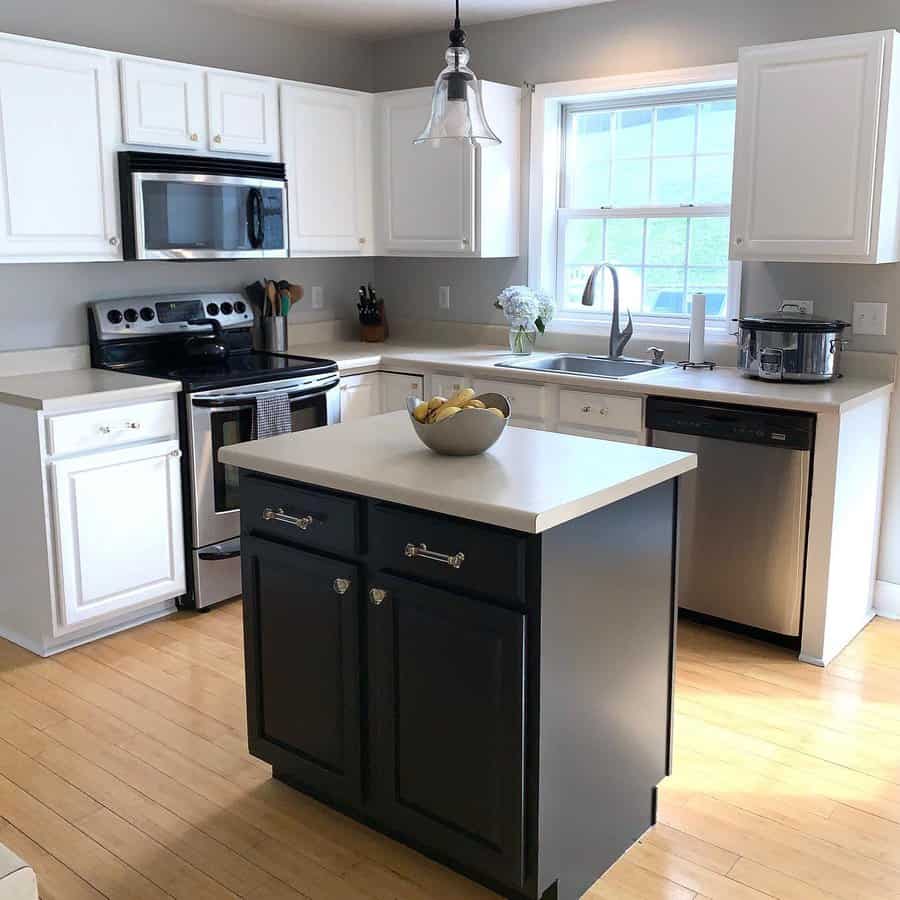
<point x="457" y="113"/>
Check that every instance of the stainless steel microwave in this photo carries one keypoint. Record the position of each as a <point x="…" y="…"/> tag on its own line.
<point x="199" y="207"/>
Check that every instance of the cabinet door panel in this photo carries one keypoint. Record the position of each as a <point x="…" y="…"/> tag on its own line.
<point x="162" y="104"/>
<point x="242" y="114"/>
<point x="427" y="192"/>
<point x="396" y="388"/>
<point x="302" y="660"/>
<point x="448" y="714"/>
<point x="323" y="147"/>
<point x="57" y="134"/>
<point x="360" y="396"/>
<point x="118" y="529"/>
<point x="806" y="145"/>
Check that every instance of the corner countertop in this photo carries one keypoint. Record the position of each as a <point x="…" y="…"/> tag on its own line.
<point x="723" y="385"/>
<point x="74" y="389"/>
<point x="528" y="481"/>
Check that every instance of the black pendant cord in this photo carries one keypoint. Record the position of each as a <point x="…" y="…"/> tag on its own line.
<point x="457" y="35"/>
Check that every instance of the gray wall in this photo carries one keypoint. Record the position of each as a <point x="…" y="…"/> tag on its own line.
<point x="43" y="305"/>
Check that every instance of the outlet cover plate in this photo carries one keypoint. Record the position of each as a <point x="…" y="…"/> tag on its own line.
<point x="444" y="297"/>
<point x="318" y="297"/>
<point x="869" y="318"/>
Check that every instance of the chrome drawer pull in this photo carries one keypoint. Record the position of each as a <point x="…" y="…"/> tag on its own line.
<point x="377" y="596"/>
<point x="454" y="560"/>
<point x="279" y="515"/>
<point x="341" y="585"/>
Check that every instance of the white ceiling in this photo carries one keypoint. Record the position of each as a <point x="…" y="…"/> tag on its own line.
<point x="373" y="20"/>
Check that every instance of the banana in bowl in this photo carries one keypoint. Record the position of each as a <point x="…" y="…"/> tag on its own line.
<point x="461" y="425"/>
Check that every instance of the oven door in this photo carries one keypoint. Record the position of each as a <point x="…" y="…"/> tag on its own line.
<point x="187" y="216"/>
<point x="218" y="420"/>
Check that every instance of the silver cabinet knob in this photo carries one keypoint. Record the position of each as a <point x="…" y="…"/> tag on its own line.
<point x="218" y="138"/>
<point x="134" y="426"/>
<point x="739" y="240"/>
<point x="114" y="241"/>
<point x="104" y="429"/>
<point x="377" y="596"/>
<point x="362" y="240"/>
<point x="195" y="136"/>
<point x="586" y="409"/>
<point x="341" y="585"/>
<point x="175" y="454"/>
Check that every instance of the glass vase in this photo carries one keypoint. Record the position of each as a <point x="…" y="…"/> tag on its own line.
<point x="522" y="336"/>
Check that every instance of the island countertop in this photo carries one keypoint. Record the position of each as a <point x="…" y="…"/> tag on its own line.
<point x="529" y="481"/>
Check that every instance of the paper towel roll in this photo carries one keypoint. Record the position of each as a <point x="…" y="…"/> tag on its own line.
<point x="697" y="351"/>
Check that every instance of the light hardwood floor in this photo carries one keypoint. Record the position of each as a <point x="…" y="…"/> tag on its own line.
<point x="124" y="774"/>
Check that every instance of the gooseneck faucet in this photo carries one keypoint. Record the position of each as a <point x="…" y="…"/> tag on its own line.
<point x="617" y="339"/>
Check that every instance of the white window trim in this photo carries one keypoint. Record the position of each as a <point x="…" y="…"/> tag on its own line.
<point x="546" y="153"/>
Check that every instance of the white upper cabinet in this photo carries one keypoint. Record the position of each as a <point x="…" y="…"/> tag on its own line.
<point x="326" y="146"/>
<point x="242" y="114"/>
<point x="163" y="104"/>
<point x="58" y="134"/>
<point x="817" y="151"/>
<point x="451" y="199"/>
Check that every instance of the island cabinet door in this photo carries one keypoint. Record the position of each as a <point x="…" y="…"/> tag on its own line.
<point x="301" y="622"/>
<point x="448" y="724"/>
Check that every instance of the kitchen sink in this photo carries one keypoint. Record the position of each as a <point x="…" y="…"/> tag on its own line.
<point x="573" y="364"/>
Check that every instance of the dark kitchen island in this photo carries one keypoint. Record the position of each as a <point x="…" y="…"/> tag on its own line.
<point x="472" y="655"/>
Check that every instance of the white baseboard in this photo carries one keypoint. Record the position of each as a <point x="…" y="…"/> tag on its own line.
<point x="887" y="599"/>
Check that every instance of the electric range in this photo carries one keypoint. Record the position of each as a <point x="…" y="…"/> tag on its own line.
<point x="153" y="336"/>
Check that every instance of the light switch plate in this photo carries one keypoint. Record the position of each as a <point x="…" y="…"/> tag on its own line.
<point x="869" y="318"/>
<point x="444" y="297"/>
<point x="318" y="297"/>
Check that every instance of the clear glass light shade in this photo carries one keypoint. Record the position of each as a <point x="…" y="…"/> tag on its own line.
<point x="457" y="112"/>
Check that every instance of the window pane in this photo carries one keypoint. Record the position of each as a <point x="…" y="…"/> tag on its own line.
<point x="716" y="127"/>
<point x="633" y="132"/>
<point x="673" y="180"/>
<point x="589" y="188"/>
<point x="666" y="242"/>
<point x="624" y="241"/>
<point x="713" y="179"/>
<point x="631" y="182"/>
<point x="630" y="287"/>
<point x="588" y="152"/>
<point x="584" y="242"/>
<point x="714" y="276"/>
<point x="574" y="279"/>
<point x="709" y="242"/>
<point x="665" y="300"/>
<point x="675" y="128"/>
<point x="592" y="132"/>
<point x="716" y="300"/>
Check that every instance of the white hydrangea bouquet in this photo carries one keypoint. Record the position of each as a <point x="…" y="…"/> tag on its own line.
<point x="528" y="312"/>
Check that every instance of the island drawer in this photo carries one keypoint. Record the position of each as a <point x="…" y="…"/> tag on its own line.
<point x="463" y="555"/>
<point x="311" y="518"/>
<point x="608" y="411"/>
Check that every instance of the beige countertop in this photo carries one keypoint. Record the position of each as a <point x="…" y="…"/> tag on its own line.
<point x="528" y="481"/>
<point x="724" y="384"/>
<point x="74" y="389"/>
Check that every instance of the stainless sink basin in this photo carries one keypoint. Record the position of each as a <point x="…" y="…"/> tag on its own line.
<point x="572" y="364"/>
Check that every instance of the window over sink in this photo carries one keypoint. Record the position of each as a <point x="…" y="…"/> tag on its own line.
<point x="636" y="172"/>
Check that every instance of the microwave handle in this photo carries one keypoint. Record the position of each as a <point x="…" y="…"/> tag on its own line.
<point x="255" y="221"/>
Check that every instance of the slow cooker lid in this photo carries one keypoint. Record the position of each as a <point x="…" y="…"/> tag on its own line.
<point x="791" y="318"/>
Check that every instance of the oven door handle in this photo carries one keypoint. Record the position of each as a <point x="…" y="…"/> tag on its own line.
<point x="240" y="401"/>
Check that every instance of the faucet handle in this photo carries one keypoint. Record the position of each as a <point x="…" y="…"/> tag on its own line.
<point x="657" y="355"/>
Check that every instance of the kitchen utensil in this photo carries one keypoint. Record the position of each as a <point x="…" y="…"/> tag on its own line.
<point x="468" y="433"/>
<point x="790" y="345"/>
<point x="296" y="293"/>
<point x="256" y="294"/>
<point x="271" y="299"/>
<point x="275" y="334"/>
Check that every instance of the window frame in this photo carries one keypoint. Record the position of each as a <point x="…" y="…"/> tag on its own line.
<point x="552" y="106"/>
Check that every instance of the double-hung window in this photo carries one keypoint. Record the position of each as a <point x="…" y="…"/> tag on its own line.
<point x="644" y="183"/>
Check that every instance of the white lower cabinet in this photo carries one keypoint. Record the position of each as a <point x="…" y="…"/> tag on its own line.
<point x="396" y="388"/>
<point x="611" y="417"/>
<point x="360" y="396"/>
<point x="118" y="528"/>
<point x="446" y="384"/>
<point x="528" y="408"/>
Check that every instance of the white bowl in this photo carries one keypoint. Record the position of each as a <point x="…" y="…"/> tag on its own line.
<point x="468" y="433"/>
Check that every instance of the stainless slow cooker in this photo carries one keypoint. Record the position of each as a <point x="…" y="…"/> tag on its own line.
<point x="790" y="345"/>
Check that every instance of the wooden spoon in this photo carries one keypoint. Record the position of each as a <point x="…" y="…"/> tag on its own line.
<point x="272" y="297"/>
<point x="296" y="293"/>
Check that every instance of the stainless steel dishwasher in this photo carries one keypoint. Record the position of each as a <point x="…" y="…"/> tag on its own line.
<point x="743" y="513"/>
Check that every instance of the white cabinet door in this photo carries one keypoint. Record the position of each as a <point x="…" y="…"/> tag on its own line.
<point x="396" y="388"/>
<point x="426" y="193"/>
<point x="118" y="530"/>
<point x="360" y="396"/>
<point x="243" y="114"/>
<point x="446" y="384"/>
<point x="806" y="168"/>
<point x="57" y="142"/>
<point x="326" y="148"/>
<point x="163" y="104"/>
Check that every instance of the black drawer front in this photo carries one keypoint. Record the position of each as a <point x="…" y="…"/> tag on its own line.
<point x="470" y="557"/>
<point x="309" y="518"/>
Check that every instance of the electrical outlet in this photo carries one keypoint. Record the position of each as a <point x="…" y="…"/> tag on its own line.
<point x="318" y="297"/>
<point x="444" y="297"/>
<point x="805" y="306"/>
<point x="869" y="318"/>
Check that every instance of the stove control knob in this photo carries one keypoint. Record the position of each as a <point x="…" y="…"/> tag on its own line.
<point x="227" y="309"/>
<point x="212" y="309"/>
<point x="240" y="306"/>
<point x="114" y="316"/>
<point x="131" y="315"/>
<point x="147" y="314"/>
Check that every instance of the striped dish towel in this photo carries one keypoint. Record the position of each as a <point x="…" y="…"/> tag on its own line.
<point x="272" y="416"/>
